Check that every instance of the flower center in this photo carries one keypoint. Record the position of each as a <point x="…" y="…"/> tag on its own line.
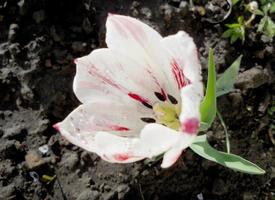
<point x="167" y="114"/>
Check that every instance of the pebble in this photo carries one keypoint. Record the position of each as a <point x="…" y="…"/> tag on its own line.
<point x="252" y="78"/>
<point x="7" y="192"/>
<point x="12" y="32"/>
<point x="167" y="12"/>
<point x="88" y="195"/>
<point x="122" y="190"/>
<point x="34" y="160"/>
<point x="69" y="160"/>
<point x="184" y="8"/>
<point x="43" y="149"/>
<point x="14" y="132"/>
<point x="146" y="12"/>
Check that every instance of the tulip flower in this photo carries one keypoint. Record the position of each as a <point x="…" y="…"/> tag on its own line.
<point x="140" y="96"/>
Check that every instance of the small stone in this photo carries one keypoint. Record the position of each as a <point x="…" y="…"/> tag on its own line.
<point x="252" y="78"/>
<point x="145" y="173"/>
<point x="34" y="160"/>
<point x="39" y="16"/>
<point x="184" y="9"/>
<point x="167" y="12"/>
<point x="23" y="7"/>
<point x="12" y="32"/>
<point x="43" y="149"/>
<point x="146" y="12"/>
<point x="122" y="190"/>
<point x="88" y="195"/>
<point x="7" y="192"/>
<point x="200" y="196"/>
<point x="15" y="132"/>
<point x="69" y="160"/>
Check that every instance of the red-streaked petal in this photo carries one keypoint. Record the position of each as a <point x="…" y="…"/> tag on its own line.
<point x="121" y="118"/>
<point x="143" y="44"/>
<point x="115" y="149"/>
<point x="183" y="53"/>
<point x="108" y="73"/>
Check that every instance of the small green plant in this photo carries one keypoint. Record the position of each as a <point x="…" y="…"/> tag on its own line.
<point x="208" y="113"/>
<point x="266" y="25"/>
<point x="235" y="31"/>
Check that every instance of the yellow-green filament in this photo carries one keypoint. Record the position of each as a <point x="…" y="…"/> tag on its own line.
<point x="167" y="114"/>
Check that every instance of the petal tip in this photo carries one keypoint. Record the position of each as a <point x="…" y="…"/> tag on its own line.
<point x="57" y="126"/>
<point x="191" y="126"/>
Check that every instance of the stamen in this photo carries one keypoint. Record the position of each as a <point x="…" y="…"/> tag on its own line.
<point x="148" y="120"/>
<point x="160" y="96"/>
<point x="147" y="105"/>
<point x="167" y="114"/>
<point x="172" y="99"/>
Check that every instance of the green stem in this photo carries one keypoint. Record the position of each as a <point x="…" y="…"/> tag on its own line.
<point x="225" y="130"/>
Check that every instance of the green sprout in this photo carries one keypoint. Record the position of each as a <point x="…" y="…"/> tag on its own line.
<point x="266" y="25"/>
<point x="235" y="31"/>
<point x="208" y="114"/>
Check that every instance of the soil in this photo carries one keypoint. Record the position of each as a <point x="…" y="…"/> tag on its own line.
<point x="39" y="40"/>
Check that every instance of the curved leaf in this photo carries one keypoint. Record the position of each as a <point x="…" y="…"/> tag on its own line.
<point x="208" y="106"/>
<point x="237" y="163"/>
<point x="226" y="82"/>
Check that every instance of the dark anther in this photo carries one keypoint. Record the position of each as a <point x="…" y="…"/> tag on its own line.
<point x="148" y="120"/>
<point x="160" y="96"/>
<point x="147" y="105"/>
<point x="172" y="99"/>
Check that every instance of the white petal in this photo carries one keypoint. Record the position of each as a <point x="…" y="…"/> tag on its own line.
<point x="191" y="96"/>
<point x="156" y="139"/>
<point x="119" y="118"/>
<point x="183" y="51"/>
<point x="108" y="73"/>
<point x="172" y="155"/>
<point x="116" y="149"/>
<point x="142" y="43"/>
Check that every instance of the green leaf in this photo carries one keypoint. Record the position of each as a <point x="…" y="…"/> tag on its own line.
<point x="236" y="25"/>
<point x="237" y="163"/>
<point x="258" y="12"/>
<point x="262" y="24"/>
<point x="270" y="28"/>
<point x="208" y="106"/>
<point x="234" y="37"/>
<point x="272" y="8"/>
<point x="226" y="82"/>
<point x="227" y="33"/>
